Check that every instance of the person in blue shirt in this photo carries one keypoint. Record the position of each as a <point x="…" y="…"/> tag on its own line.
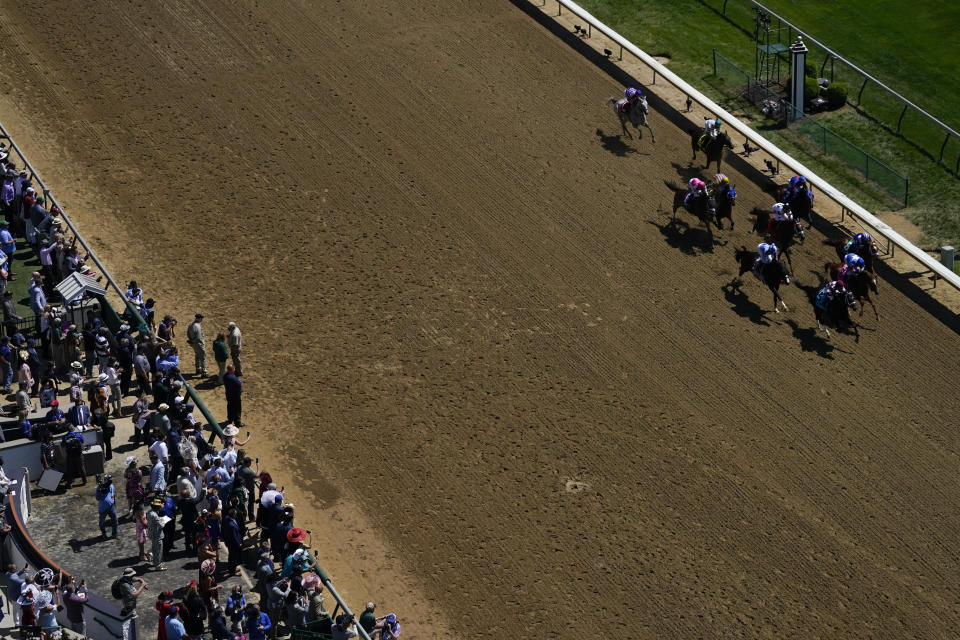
<point x="79" y="415"/>
<point x="54" y="417"/>
<point x="107" y="505"/>
<point x="7" y="245"/>
<point x="256" y="623"/>
<point x="6" y="363"/>
<point x="173" y="626"/>
<point x="38" y="300"/>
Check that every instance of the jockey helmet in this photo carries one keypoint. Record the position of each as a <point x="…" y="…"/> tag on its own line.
<point x="721" y="179"/>
<point x="794" y="180"/>
<point x="696" y="183"/>
<point x="762" y="248"/>
<point x="863" y="238"/>
<point x="629" y="93"/>
<point x="778" y="207"/>
<point x="802" y="180"/>
<point x="851" y="259"/>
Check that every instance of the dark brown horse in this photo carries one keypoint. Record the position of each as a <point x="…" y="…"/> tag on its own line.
<point x="781" y="233"/>
<point x="859" y="284"/>
<point x="712" y="147"/>
<point x="703" y="205"/>
<point x="870" y="259"/>
<point x="800" y="204"/>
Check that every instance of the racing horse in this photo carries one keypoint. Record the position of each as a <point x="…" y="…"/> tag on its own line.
<point x="702" y="206"/>
<point x="725" y="200"/>
<point x="781" y="233"/>
<point x="859" y="284"/>
<point x="800" y="204"/>
<point x="772" y="274"/>
<point x="635" y="113"/>
<point x="869" y="259"/>
<point x="837" y="314"/>
<point x="711" y="146"/>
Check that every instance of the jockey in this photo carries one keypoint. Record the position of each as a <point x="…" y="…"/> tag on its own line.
<point x="711" y="127"/>
<point x="854" y="262"/>
<point x="697" y="187"/>
<point x="768" y="255"/>
<point x="860" y="243"/>
<point x="796" y="187"/>
<point x="780" y="212"/>
<point x="721" y="186"/>
<point x="829" y="292"/>
<point x="632" y="95"/>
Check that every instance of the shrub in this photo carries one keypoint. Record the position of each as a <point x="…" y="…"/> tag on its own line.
<point x="837" y="95"/>
<point x="810" y="89"/>
<point x="810" y="70"/>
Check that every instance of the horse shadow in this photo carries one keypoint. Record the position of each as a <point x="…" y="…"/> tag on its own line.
<point x="742" y="305"/>
<point x="686" y="172"/>
<point x="811" y="340"/>
<point x="690" y="240"/>
<point x="615" y="144"/>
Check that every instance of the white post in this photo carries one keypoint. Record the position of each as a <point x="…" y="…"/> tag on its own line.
<point x="946" y="257"/>
<point x="798" y="59"/>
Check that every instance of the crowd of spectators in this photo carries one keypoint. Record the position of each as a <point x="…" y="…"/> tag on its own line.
<point x="213" y="498"/>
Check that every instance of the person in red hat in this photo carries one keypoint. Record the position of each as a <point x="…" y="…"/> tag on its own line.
<point x="164" y="602"/>
<point x="298" y="558"/>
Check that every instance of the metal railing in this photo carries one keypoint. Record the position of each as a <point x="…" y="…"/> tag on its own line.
<point x="831" y="57"/>
<point x="848" y="207"/>
<point x="829" y="142"/>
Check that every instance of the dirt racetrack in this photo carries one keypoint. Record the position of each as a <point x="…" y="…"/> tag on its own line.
<point x="520" y="401"/>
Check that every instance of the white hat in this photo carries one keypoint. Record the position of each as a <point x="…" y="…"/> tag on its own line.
<point x="102" y="377"/>
<point x="230" y="430"/>
<point x="163" y="406"/>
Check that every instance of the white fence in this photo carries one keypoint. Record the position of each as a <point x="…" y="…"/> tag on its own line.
<point x="848" y="206"/>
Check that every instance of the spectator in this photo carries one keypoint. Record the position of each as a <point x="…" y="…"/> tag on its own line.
<point x="235" y="342"/>
<point x="195" y="611"/>
<point x="47" y="620"/>
<point x="141" y="414"/>
<point x="208" y="588"/>
<point x="140" y="519"/>
<point x="163" y="605"/>
<point x="79" y="415"/>
<point x="389" y="627"/>
<point x="247" y="477"/>
<point x="74" y="599"/>
<point x="113" y="383"/>
<point x="367" y="620"/>
<point x="132" y="479"/>
<point x="8" y="246"/>
<point x="235" y="606"/>
<point x="233" y="389"/>
<point x="48" y="451"/>
<point x="158" y="475"/>
<point x="129" y="591"/>
<point x="89" y="348"/>
<point x="48" y="394"/>
<point x="73" y="446"/>
<point x="233" y="538"/>
<point x="141" y="367"/>
<point x="155" y="533"/>
<point x="315" y="595"/>
<point x="174" y="628"/>
<point x="220" y="354"/>
<point x="277" y="591"/>
<point x="6" y="353"/>
<point x="24" y="404"/>
<point x="38" y="300"/>
<point x="107" y="505"/>
<point x="256" y="624"/>
<point x="10" y="319"/>
<point x="218" y="625"/>
<point x="25" y="373"/>
<point x="297" y="608"/>
<point x="15" y="582"/>
<point x="28" y="614"/>
<point x="195" y="339"/>
<point x="343" y="628"/>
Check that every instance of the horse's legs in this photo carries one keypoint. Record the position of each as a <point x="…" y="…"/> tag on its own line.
<point x="786" y="254"/>
<point x="870" y="300"/>
<point x="652" y="137"/>
<point x="623" y="125"/>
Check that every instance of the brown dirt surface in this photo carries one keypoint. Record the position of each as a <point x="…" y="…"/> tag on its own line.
<point x="517" y="400"/>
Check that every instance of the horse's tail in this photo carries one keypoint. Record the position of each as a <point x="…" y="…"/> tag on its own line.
<point x="611" y="100"/>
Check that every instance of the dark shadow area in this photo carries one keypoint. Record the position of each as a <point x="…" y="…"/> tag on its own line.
<point x="685" y="172"/>
<point x="77" y="545"/>
<point x="119" y="563"/>
<point x="614" y="144"/>
<point x="690" y="240"/>
<point x="811" y="341"/>
<point x="742" y="305"/>
<point x="209" y="383"/>
<point x="723" y="17"/>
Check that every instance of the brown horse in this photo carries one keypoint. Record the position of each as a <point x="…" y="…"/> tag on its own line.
<point x="869" y="259"/>
<point x="712" y="147"/>
<point x="859" y="284"/>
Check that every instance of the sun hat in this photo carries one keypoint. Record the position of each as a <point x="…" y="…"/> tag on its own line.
<point x="230" y="430"/>
<point x="129" y="572"/>
<point x="76" y="364"/>
<point x="129" y="460"/>
<point x="296" y="534"/>
<point x="102" y="377"/>
<point x="163" y="407"/>
<point x="208" y="566"/>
